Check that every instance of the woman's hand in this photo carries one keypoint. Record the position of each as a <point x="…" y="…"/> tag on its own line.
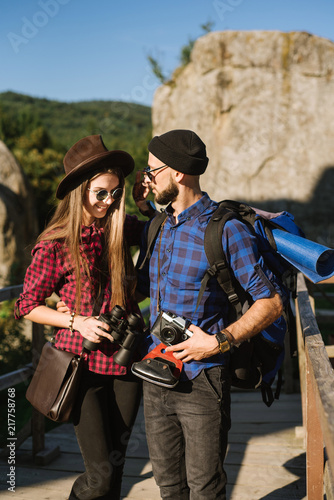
<point x="87" y="326"/>
<point x="90" y="328"/>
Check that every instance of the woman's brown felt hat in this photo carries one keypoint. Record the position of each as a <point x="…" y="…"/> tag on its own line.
<point x="86" y="158"/>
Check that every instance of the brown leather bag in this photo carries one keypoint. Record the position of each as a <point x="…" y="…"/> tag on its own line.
<point x="54" y="385"/>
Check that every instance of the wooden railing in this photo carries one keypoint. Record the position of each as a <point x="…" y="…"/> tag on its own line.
<point x="317" y="390"/>
<point x="35" y="427"/>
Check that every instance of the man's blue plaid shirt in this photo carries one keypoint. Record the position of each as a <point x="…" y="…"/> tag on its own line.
<point x="182" y="266"/>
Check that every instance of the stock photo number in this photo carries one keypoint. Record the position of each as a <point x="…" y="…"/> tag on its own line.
<point x="11" y="444"/>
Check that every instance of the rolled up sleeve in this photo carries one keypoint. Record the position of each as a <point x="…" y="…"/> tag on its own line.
<point x="41" y="280"/>
<point x="247" y="264"/>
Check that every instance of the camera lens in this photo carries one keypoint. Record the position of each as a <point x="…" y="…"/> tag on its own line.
<point x="169" y="335"/>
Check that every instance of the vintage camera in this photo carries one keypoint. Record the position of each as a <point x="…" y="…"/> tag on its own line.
<point x="171" y="329"/>
<point x="160" y="367"/>
<point x="126" y="331"/>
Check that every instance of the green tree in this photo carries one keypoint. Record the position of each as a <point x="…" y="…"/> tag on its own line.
<point x="156" y="69"/>
<point x="184" y="57"/>
<point x="43" y="166"/>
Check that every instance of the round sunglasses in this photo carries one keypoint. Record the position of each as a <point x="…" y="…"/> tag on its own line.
<point x="102" y="194"/>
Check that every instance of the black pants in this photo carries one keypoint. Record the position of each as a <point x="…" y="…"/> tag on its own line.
<point x="187" y="429"/>
<point x="105" y="413"/>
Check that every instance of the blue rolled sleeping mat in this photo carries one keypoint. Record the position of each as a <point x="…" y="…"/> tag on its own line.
<point x="315" y="261"/>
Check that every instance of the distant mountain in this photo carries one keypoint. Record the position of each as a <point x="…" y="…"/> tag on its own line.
<point x="119" y="123"/>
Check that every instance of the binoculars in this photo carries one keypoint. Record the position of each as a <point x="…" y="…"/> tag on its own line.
<point x="126" y="331"/>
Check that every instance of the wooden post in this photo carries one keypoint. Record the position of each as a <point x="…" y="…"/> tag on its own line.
<point x="314" y="441"/>
<point x="301" y="362"/>
<point x="37" y="421"/>
<point x="42" y="454"/>
<point x="319" y="401"/>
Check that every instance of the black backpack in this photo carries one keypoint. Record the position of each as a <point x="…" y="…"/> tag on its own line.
<point x="256" y="362"/>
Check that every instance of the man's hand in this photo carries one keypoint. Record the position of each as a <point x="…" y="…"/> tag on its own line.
<point x="140" y="192"/>
<point x="199" y="346"/>
<point x="62" y="307"/>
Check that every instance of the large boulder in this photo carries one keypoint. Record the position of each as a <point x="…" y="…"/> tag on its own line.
<point x="18" y="221"/>
<point x="263" y="102"/>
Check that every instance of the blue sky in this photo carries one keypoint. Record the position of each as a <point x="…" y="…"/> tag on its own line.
<point x="72" y="50"/>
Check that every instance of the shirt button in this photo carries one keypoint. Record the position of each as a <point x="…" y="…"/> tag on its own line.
<point x="164" y="274"/>
<point x="168" y="250"/>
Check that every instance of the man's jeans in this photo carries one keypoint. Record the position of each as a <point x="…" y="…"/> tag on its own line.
<point x="187" y="431"/>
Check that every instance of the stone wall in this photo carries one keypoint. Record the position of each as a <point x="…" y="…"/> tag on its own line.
<point x="263" y="102"/>
<point x="18" y="222"/>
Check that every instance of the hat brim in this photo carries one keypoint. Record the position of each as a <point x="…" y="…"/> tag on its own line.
<point x="118" y="159"/>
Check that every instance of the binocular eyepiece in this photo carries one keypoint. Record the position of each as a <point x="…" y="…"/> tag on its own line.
<point x="125" y="330"/>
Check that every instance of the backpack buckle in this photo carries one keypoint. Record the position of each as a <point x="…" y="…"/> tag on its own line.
<point x="233" y="298"/>
<point x="216" y="268"/>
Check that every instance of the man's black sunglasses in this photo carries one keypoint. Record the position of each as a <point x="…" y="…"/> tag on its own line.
<point x="147" y="171"/>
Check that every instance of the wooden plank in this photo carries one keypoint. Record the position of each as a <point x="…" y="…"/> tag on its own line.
<point x="21" y="437"/>
<point x="314" y="439"/>
<point x="261" y="416"/>
<point x="260" y="462"/>
<point x="282" y="439"/>
<point x="320" y="369"/>
<point x="56" y="484"/>
<point x="267" y="478"/>
<point x="70" y="462"/>
<point x="16" y="377"/>
<point x="256" y="492"/>
<point x="301" y="361"/>
<point x="266" y="457"/>
<point x="271" y="447"/>
<point x="328" y="482"/>
<point x="34" y="483"/>
<point x="325" y="315"/>
<point x="73" y="463"/>
<point x="244" y="396"/>
<point x="38" y="420"/>
<point x="143" y="488"/>
<point x="67" y="443"/>
<point x="10" y="292"/>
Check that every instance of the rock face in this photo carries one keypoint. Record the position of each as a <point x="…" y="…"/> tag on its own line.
<point x="263" y="102"/>
<point x="18" y="223"/>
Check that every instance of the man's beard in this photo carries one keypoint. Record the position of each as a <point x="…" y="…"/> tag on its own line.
<point x="168" y="195"/>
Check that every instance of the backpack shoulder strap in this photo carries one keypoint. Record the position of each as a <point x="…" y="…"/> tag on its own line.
<point x="152" y="233"/>
<point x="213" y="247"/>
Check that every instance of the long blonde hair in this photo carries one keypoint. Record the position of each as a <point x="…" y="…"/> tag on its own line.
<point x="66" y="225"/>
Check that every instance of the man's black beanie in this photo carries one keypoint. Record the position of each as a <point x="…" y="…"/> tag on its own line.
<point x="182" y="150"/>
